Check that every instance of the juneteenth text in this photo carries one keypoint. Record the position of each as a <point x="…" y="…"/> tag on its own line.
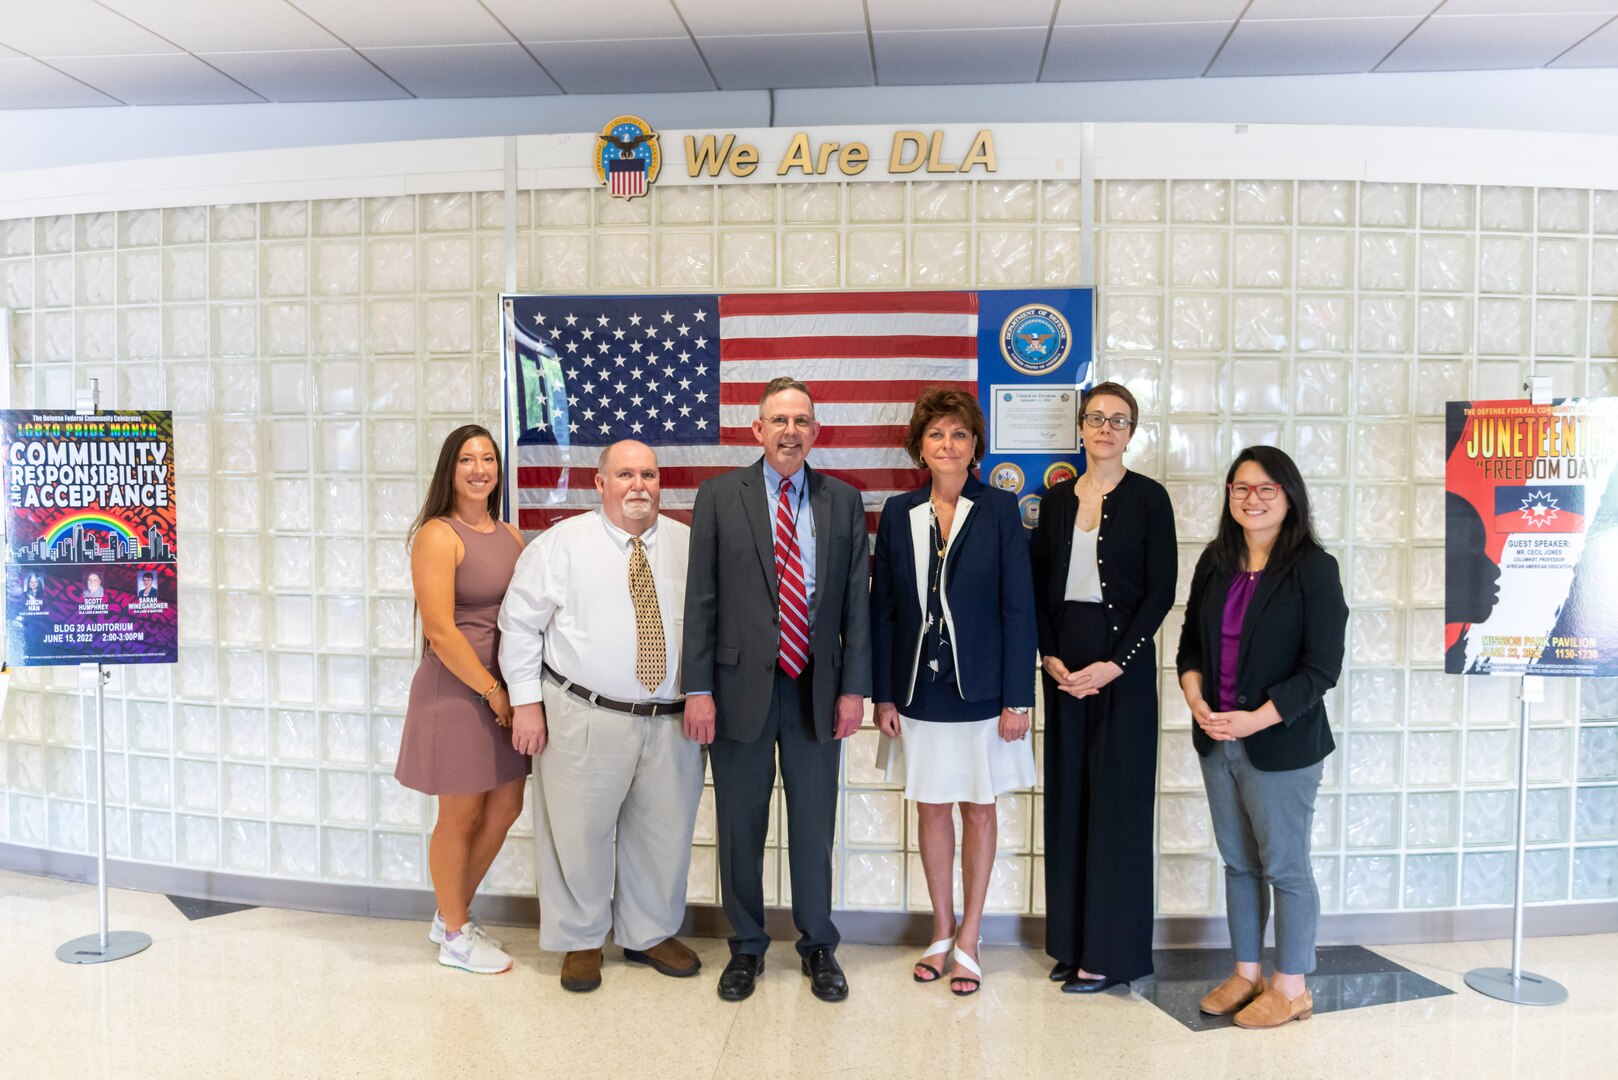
<point x="1541" y="446"/>
<point x="108" y="474"/>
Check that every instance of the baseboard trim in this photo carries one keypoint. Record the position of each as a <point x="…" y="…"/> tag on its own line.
<point x="862" y="927"/>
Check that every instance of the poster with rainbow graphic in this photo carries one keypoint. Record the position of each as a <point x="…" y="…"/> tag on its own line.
<point x="91" y="568"/>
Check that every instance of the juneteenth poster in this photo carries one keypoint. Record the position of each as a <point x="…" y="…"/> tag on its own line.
<point x="90" y="558"/>
<point x="1531" y="538"/>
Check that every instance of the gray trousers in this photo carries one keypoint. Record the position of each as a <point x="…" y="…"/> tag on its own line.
<point x="606" y="772"/>
<point x="1262" y="821"/>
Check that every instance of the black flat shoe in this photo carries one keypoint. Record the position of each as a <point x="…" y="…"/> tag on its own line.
<point x="736" y="981"/>
<point x="1061" y="972"/>
<point x="826" y="979"/>
<point x="1076" y="985"/>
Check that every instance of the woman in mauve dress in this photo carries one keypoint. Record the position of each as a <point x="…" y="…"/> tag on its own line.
<point x="457" y="738"/>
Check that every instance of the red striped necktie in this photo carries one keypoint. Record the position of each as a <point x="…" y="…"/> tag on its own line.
<point x="794" y="594"/>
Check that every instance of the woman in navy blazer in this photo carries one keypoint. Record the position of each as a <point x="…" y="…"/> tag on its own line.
<point x="955" y="644"/>
<point x="1261" y="645"/>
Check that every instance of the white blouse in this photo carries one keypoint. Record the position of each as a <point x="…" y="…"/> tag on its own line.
<point x="1083" y="576"/>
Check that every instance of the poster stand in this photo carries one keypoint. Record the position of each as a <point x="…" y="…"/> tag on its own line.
<point x="104" y="945"/>
<point x="1513" y="984"/>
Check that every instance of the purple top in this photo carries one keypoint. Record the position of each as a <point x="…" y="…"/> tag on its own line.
<point x="1242" y="587"/>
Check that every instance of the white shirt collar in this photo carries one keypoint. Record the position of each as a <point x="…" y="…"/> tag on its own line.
<point x="621" y="539"/>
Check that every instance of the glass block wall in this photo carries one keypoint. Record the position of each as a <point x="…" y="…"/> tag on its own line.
<point x="316" y="352"/>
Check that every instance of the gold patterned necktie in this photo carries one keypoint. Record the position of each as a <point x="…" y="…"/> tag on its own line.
<point x="651" y="653"/>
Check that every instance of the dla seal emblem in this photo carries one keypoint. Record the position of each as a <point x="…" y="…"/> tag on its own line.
<point x="1035" y="339"/>
<point x="627" y="156"/>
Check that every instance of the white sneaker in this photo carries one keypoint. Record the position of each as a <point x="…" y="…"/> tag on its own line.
<point x="436" y="934"/>
<point x="471" y="951"/>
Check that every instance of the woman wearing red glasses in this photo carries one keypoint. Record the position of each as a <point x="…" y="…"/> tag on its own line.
<point x="1104" y="568"/>
<point x="1261" y="645"/>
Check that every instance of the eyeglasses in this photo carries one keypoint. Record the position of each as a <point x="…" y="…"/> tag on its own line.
<point x="781" y="423"/>
<point x="1119" y="423"/>
<point x="1267" y="492"/>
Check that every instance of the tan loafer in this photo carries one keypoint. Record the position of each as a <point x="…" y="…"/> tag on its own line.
<point x="671" y="956"/>
<point x="581" y="971"/>
<point x="1271" y="1009"/>
<point x="1231" y="995"/>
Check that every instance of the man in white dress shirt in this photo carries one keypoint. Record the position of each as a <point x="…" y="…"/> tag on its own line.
<point x="590" y="648"/>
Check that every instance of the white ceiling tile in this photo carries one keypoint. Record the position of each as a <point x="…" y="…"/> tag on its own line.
<point x="47" y="28"/>
<point x="307" y="75"/>
<point x="569" y="20"/>
<point x="1340" y="9"/>
<point x="197" y="25"/>
<point x="29" y="84"/>
<point x="796" y="60"/>
<point x="453" y="71"/>
<point x="731" y="18"/>
<point x="169" y="79"/>
<point x="7" y="54"/>
<point x="1527" y="7"/>
<point x="1096" y="53"/>
<point x="1124" y="12"/>
<point x="1600" y="49"/>
<point x="939" y="57"/>
<point x="624" y="66"/>
<point x="1309" y="46"/>
<point x="957" y="14"/>
<point x="379" y="23"/>
<point x="1486" y="42"/>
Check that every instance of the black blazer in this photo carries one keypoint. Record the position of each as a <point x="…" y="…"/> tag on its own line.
<point x="1291" y="653"/>
<point x="991" y="606"/>
<point x="1138" y="560"/>
<point x="732" y="634"/>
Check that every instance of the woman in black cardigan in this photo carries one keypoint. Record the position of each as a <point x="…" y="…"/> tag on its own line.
<point x="1104" y="567"/>
<point x="1261" y="645"/>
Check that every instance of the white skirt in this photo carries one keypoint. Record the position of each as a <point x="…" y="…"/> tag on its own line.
<point x="956" y="762"/>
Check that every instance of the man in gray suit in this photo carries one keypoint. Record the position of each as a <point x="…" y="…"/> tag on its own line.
<point x="777" y="655"/>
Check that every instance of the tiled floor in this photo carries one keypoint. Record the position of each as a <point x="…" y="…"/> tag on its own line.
<point x="265" y="993"/>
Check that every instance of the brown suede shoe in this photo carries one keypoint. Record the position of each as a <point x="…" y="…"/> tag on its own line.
<point x="670" y="956"/>
<point x="581" y="971"/>
<point x="1231" y="995"/>
<point x="1272" y="1009"/>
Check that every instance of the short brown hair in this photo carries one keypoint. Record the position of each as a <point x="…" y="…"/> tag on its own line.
<point x="934" y="404"/>
<point x="780" y="384"/>
<point x="1111" y="389"/>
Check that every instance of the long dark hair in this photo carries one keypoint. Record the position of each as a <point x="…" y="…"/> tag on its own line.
<point x="441" y="491"/>
<point x="1297" y="533"/>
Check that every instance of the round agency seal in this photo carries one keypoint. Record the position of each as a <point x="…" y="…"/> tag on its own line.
<point x="1059" y="472"/>
<point x="1007" y="477"/>
<point x="1035" y="339"/>
<point x="1029" y="505"/>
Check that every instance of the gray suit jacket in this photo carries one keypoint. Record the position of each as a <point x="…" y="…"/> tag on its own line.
<point x="732" y="630"/>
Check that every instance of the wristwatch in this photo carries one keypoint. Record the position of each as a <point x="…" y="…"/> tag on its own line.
<point x="1021" y="710"/>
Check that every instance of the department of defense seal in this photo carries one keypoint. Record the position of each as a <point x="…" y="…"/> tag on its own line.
<point x="1036" y="339"/>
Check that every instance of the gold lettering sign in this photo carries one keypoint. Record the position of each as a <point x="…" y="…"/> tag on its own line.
<point x="911" y="152"/>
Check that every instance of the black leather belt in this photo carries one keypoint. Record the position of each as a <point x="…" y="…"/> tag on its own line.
<point x="634" y="708"/>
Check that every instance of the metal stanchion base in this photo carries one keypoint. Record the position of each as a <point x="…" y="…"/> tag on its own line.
<point x="88" y="950"/>
<point x="1527" y="989"/>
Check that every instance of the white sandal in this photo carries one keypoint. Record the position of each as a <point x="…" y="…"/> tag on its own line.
<point x="976" y="978"/>
<point x="941" y="947"/>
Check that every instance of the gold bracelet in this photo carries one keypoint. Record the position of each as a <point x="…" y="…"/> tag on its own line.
<point x="484" y="697"/>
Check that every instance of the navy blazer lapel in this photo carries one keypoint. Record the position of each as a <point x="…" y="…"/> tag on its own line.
<point x="973" y="493"/>
<point x="820" y="507"/>
<point x="756" y="504"/>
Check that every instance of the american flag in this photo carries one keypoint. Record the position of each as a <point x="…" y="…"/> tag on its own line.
<point x="684" y="374"/>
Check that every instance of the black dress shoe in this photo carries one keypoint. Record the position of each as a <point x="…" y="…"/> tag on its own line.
<point x="1061" y="972"/>
<point x="826" y="979"/>
<point x="1076" y="985"/>
<point x="736" y="981"/>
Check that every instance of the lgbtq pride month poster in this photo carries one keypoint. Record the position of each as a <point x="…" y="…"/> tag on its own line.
<point x="91" y="569"/>
<point x="1531" y="538"/>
